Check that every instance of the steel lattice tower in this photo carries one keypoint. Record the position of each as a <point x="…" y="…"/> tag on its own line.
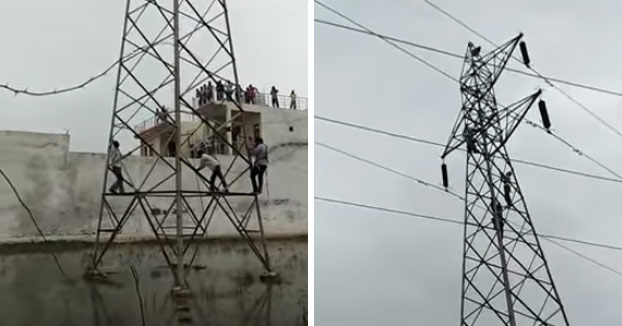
<point x="506" y="279"/>
<point x="169" y="48"/>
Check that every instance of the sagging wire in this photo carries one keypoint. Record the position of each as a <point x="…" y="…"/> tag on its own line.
<point x="425" y="183"/>
<point x="575" y="149"/>
<point x="547" y="79"/>
<point x="25" y="91"/>
<point x="394" y="171"/>
<point x="458" y="222"/>
<point x="437" y="144"/>
<point x="138" y="294"/>
<point x="390" y="42"/>
<point x="34" y="221"/>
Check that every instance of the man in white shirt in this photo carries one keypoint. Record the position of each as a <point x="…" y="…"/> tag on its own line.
<point x="213" y="164"/>
<point x="115" y="163"/>
<point x="261" y="164"/>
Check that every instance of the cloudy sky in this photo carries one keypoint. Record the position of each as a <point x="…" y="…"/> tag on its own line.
<point x="375" y="268"/>
<point x="52" y="44"/>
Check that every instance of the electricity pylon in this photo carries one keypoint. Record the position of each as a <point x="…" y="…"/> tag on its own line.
<point x="506" y="279"/>
<point x="169" y="48"/>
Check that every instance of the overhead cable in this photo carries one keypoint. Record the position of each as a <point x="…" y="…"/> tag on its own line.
<point x="32" y="218"/>
<point x="547" y="80"/>
<point x="453" y="221"/>
<point x="428" y="184"/>
<point x="556" y="136"/>
<point x="437" y="144"/>
<point x="461" y="57"/>
<point x="25" y="91"/>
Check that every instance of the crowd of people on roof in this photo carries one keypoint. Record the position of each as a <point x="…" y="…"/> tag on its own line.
<point x="228" y="91"/>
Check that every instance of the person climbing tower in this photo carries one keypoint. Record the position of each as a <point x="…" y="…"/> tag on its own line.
<point x="507" y="188"/>
<point x="115" y="164"/>
<point x="213" y="164"/>
<point x="468" y="136"/>
<point x="260" y="166"/>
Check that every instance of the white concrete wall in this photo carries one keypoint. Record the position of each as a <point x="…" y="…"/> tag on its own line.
<point x="63" y="189"/>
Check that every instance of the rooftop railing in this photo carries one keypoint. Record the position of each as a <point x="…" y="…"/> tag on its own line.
<point x="154" y="121"/>
<point x="284" y="102"/>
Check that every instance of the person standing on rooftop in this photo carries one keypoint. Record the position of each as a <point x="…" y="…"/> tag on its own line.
<point x="220" y="91"/>
<point x="239" y="93"/>
<point x="275" y="99"/>
<point x="209" y="92"/>
<point x="292" y="100"/>
<point x="229" y="91"/>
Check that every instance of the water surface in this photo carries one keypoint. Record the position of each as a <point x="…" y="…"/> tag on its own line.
<point x="226" y="289"/>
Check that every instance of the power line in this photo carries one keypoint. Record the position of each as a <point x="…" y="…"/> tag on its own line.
<point x="453" y="221"/>
<point x="529" y="122"/>
<point x="402" y="174"/>
<point x="589" y="243"/>
<point x="428" y="142"/>
<point x="412" y="55"/>
<point x="583" y="256"/>
<point x="25" y="91"/>
<point x="575" y="149"/>
<point x="134" y="53"/>
<point x="388" y="210"/>
<point x="548" y="81"/>
<point x="461" y="57"/>
<point x="388" y="133"/>
<point x="447" y="75"/>
<point x="428" y="184"/>
<point x="589" y="157"/>
<point x="138" y="294"/>
<point x="32" y="218"/>
<point x="391" y="38"/>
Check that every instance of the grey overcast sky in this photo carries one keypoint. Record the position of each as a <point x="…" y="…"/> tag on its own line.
<point x="375" y="268"/>
<point x="52" y="44"/>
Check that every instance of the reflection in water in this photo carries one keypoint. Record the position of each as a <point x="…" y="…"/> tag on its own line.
<point x="226" y="291"/>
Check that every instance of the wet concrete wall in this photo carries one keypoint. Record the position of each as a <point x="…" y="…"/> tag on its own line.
<point x="63" y="189"/>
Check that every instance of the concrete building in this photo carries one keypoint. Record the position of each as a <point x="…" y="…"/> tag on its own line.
<point x="63" y="188"/>
<point x="158" y="131"/>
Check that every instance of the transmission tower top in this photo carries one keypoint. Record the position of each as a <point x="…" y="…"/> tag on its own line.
<point x="506" y="278"/>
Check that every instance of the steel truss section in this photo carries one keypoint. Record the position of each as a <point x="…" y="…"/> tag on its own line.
<point x="506" y="279"/>
<point x="169" y="49"/>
